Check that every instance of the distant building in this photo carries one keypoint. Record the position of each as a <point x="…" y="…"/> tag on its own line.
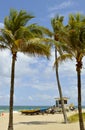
<point x="58" y="101"/>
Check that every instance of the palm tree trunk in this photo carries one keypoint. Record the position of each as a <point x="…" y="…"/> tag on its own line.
<point x="10" y="126"/>
<point x="81" y="123"/>
<point x="60" y="90"/>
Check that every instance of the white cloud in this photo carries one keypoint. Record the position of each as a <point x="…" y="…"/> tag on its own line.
<point x="44" y="98"/>
<point x="23" y="65"/>
<point x="68" y="68"/>
<point x="37" y="74"/>
<point x="30" y="98"/>
<point x="61" y="6"/>
<point x="44" y="86"/>
<point x="4" y="99"/>
<point x="5" y="66"/>
<point x="1" y="25"/>
<point x="64" y="9"/>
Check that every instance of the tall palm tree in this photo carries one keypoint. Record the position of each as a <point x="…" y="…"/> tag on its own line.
<point x="74" y="40"/>
<point x="17" y="36"/>
<point x="57" y="25"/>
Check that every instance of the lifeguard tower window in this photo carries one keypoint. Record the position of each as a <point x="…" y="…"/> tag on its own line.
<point x="57" y="103"/>
<point x="65" y="101"/>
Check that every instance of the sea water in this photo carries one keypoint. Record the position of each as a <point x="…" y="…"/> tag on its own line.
<point x="18" y="108"/>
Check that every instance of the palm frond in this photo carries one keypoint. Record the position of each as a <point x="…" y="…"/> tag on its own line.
<point x="46" y="31"/>
<point x="2" y="47"/>
<point x="8" y="33"/>
<point x="6" y="37"/>
<point x="36" y="48"/>
<point x="2" y="39"/>
<point x="57" y="23"/>
<point x="39" y="30"/>
<point x="24" y="33"/>
<point x="16" y="19"/>
<point x="43" y="40"/>
<point x="62" y="58"/>
<point x="20" y="37"/>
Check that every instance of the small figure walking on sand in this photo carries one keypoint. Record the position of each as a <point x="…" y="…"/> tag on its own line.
<point x="2" y="114"/>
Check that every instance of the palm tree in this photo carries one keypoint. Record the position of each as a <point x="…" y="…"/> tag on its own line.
<point x="18" y="37"/>
<point x="74" y="44"/>
<point x="57" y="25"/>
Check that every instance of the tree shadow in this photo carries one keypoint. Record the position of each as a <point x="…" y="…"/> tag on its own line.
<point x="36" y="123"/>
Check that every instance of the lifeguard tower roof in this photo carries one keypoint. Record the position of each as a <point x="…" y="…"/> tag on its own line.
<point x="64" y="98"/>
<point x="58" y="101"/>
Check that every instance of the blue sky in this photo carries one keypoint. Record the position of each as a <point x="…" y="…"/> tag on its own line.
<point x="35" y="81"/>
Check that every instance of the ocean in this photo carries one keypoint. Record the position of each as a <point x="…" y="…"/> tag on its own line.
<point x="18" y="108"/>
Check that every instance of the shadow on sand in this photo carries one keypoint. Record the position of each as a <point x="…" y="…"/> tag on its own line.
<point x="35" y="123"/>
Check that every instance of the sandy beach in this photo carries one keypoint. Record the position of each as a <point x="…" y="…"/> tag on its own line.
<point x="38" y="122"/>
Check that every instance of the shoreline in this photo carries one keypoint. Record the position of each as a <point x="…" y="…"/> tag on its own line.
<point x="38" y="122"/>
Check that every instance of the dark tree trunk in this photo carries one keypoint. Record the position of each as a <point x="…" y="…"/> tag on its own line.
<point x="60" y="90"/>
<point x="79" y="66"/>
<point x="10" y="126"/>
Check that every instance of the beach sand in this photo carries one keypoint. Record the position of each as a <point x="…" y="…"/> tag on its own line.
<point x="38" y="122"/>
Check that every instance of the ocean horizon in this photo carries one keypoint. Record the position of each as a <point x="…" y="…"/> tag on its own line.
<point x="5" y="108"/>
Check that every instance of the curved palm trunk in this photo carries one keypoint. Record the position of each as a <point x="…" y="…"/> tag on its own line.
<point x="10" y="127"/>
<point x="60" y="90"/>
<point x="78" y="69"/>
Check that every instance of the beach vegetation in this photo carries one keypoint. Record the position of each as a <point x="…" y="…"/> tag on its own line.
<point x="75" y="118"/>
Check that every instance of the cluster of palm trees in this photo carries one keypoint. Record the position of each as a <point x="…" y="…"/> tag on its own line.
<point x="69" y="41"/>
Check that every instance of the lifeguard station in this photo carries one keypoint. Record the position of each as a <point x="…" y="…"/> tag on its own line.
<point x="58" y="102"/>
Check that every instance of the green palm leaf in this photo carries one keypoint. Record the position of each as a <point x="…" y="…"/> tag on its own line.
<point x="63" y="58"/>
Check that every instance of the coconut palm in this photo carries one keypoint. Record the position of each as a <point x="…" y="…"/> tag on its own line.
<point x="74" y="40"/>
<point x="17" y="36"/>
<point x="57" y="25"/>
